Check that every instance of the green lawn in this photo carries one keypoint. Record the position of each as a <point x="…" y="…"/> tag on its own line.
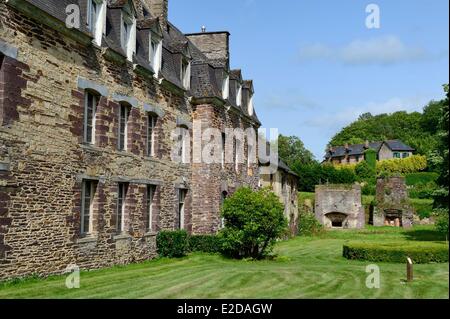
<point x="305" y="268"/>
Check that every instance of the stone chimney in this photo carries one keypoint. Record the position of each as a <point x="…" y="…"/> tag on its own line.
<point x="159" y="9"/>
<point x="346" y="146"/>
<point x="367" y="144"/>
<point x="215" y="45"/>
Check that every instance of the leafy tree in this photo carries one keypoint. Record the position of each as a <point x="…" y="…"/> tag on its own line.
<point x="291" y="149"/>
<point x="253" y="222"/>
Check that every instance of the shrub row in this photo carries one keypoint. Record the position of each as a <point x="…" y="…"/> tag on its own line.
<point x="412" y="164"/>
<point x="173" y="244"/>
<point x="419" y="252"/>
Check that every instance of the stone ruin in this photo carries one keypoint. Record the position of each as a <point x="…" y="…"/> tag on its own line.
<point x="339" y="206"/>
<point x="392" y="204"/>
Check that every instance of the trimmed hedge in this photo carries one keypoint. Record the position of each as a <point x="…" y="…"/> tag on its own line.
<point x="204" y="243"/>
<point x="172" y="244"/>
<point x="397" y="252"/>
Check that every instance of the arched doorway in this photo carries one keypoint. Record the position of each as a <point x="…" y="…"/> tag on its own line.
<point x="336" y="219"/>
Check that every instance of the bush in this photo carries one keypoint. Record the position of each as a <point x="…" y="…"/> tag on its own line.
<point x="368" y="189"/>
<point x="253" y="222"/>
<point x="172" y="244"/>
<point x="419" y="252"/>
<point x="421" y="178"/>
<point x="441" y="220"/>
<point x="423" y="207"/>
<point x="204" y="243"/>
<point x="412" y="164"/>
<point x="308" y="225"/>
<point x="364" y="171"/>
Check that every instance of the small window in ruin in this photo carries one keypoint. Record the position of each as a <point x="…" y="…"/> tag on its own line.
<point x="336" y="224"/>
<point x="181" y="207"/>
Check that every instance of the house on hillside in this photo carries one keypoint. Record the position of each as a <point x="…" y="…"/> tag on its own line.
<point x="351" y="154"/>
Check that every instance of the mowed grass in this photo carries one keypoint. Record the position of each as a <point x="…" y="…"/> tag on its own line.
<point x="305" y="267"/>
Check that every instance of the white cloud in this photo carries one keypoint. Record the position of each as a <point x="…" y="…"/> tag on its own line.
<point x="288" y="101"/>
<point x="384" y="50"/>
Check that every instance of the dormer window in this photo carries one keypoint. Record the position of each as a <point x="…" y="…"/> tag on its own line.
<point x="250" y="106"/>
<point x="238" y="94"/>
<point x="226" y="87"/>
<point x="97" y="19"/>
<point x="128" y="32"/>
<point x="155" y="51"/>
<point x="186" y="73"/>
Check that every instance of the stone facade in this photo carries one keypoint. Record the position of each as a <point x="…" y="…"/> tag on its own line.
<point x="284" y="183"/>
<point x="339" y="206"/>
<point x="47" y="72"/>
<point x="392" y="208"/>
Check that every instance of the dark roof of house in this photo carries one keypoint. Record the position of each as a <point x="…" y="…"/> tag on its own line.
<point x="359" y="149"/>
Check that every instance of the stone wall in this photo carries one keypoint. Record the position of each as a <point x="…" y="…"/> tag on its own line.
<point x="393" y="207"/>
<point x="339" y="206"/>
<point x="43" y="159"/>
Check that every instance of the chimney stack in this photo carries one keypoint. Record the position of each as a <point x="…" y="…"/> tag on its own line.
<point x="159" y="9"/>
<point x="367" y="144"/>
<point x="215" y="45"/>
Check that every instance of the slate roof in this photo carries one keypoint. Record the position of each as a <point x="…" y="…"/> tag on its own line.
<point x="206" y="74"/>
<point x="359" y="149"/>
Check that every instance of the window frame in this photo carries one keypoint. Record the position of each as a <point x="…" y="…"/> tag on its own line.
<point x="238" y="94"/>
<point x="89" y="215"/>
<point x="124" y="127"/>
<point x="397" y="155"/>
<point x="155" y="54"/>
<point x="90" y="122"/>
<point x="152" y="120"/>
<point x="150" y="197"/>
<point x="226" y="87"/>
<point x="128" y="32"/>
<point x="122" y="190"/>
<point x="97" y="23"/>
<point x="182" y="194"/>
<point x="185" y="74"/>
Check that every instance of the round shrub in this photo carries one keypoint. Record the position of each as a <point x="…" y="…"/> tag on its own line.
<point x="397" y="252"/>
<point x="253" y="223"/>
<point x="172" y="244"/>
<point x="204" y="243"/>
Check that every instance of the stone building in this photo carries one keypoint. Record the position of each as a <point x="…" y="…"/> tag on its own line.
<point x="393" y="207"/>
<point x="352" y="154"/>
<point x="88" y="175"/>
<point x="284" y="183"/>
<point x="339" y="206"/>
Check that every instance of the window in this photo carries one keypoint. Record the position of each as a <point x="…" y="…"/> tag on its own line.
<point x="181" y="207"/>
<point x="97" y="19"/>
<point x="226" y="87"/>
<point x="149" y="198"/>
<point x="151" y="124"/>
<point x="224" y="143"/>
<point x="128" y="32"/>
<point x="90" y="109"/>
<point x="123" y="126"/>
<point x="405" y="155"/>
<point x="186" y="74"/>
<point x="223" y="196"/>
<point x="121" y="196"/>
<point x="183" y="140"/>
<point x="238" y="94"/>
<point x="396" y="155"/>
<point x="250" y="106"/>
<point x="87" y="200"/>
<point x="155" y="53"/>
<point x="236" y="154"/>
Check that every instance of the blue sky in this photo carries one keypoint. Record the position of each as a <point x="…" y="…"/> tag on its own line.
<point x="316" y="65"/>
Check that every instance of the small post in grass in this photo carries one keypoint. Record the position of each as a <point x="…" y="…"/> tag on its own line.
<point x="409" y="270"/>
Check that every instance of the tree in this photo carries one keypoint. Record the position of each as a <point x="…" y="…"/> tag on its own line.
<point x="253" y="222"/>
<point x="291" y="150"/>
<point x="415" y="129"/>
